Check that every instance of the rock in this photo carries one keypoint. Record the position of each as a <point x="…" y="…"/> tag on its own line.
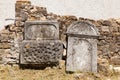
<point x="5" y="46"/>
<point x="118" y="20"/>
<point x="43" y="18"/>
<point x="24" y="16"/>
<point x="104" y="67"/>
<point x="64" y="53"/>
<point x="61" y="64"/>
<point x="19" y="24"/>
<point x="33" y="10"/>
<point x="117" y="69"/>
<point x="106" y="23"/>
<point x="105" y="28"/>
<point x="115" y="60"/>
<point x="79" y="76"/>
<point x="31" y="18"/>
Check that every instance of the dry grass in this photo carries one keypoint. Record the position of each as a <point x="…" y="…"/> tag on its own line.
<point x="14" y="73"/>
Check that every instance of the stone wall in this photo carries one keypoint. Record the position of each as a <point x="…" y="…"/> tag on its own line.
<point x="109" y="40"/>
<point x="108" y="43"/>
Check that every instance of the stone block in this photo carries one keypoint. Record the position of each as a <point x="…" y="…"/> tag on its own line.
<point x="4" y="38"/>
<point x="41" y="52"/>
<point x="105" y="28"/>
<point x="42" y="30"/>
<point x="115" y="60"/>
<point x="4" y="51"/>
<point x="5" y="45"/>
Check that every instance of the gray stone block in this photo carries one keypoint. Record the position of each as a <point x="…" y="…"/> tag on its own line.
<point x="43" y="30"/>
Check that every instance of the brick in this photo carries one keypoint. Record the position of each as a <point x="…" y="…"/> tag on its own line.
<point x="5" y="46"/>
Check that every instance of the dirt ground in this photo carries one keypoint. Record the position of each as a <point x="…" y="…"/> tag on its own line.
<point x="8" y="72"/>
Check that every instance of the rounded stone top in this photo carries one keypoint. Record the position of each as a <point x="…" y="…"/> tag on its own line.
<point x="83" y="28"/>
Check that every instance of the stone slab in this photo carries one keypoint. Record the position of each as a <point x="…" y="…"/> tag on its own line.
<point x="42" y="30"/>
<point x="82" y="47"/>
<point x="81" y="55"/>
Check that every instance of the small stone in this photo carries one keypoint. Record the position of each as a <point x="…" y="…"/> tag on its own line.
<point x="107" y="23"/>
<point x="5" y="46"/>
<point x="61" y="64"/>
<point x="31" y="18"/>
<point x="19" y="23"/>
<point x="105" y="28"/>
<point x="115" y="60"/>
<point x="117" y="69"/>
<point x="43" y="18"/>
<point x="78" y="76"/>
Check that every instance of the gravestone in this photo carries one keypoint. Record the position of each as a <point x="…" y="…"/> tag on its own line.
<point x="82" y="47"/>
<point x="41" y="45"/>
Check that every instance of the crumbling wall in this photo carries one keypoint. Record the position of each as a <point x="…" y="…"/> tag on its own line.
<point x="108" y="43"/>
<point x="109" y="40"/>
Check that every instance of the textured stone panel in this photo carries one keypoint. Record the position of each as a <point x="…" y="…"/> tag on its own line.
<point x="41" y="52"/>
<point x="41" y="30"/>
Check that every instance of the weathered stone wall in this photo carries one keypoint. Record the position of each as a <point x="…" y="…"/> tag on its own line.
<point x="7" y="39"/>
<point x="108" y="44"/>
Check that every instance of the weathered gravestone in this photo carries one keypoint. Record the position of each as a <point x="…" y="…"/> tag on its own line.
<point x="82" y="47"/>
<point x="41" y="45"/>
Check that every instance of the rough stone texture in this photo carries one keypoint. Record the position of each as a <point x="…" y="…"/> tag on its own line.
<point x="43" y="52"/>
<point x="5" y="44"/>
<point x="43" y="30"/>
<point x="82" y="47"/>
<point x="108" y="44"/>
